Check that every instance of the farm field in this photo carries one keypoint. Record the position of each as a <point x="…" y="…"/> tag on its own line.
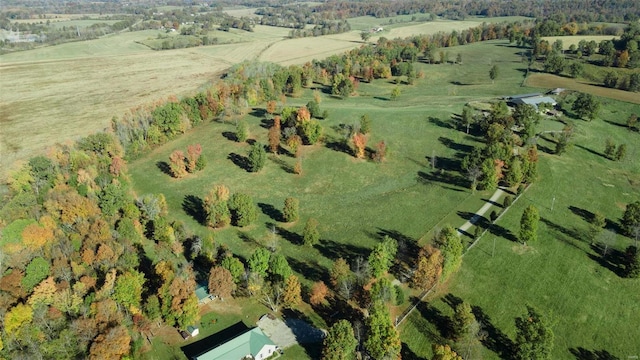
<point x="567" y="41"/>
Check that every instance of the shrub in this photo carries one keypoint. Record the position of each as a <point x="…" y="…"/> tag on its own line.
<point x="242" y="132"/>
<point x="493" y="216"/>
<point x="508" y="200"/>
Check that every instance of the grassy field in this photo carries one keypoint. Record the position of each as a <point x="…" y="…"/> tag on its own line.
<point x="561" y="274"/>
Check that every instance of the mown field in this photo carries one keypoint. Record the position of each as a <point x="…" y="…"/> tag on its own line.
<point x="55" y="93"/>
<point x="551" y="81"/>
<point x="562" y="274"/>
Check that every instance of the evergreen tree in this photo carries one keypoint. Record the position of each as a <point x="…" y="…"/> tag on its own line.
<point x="291" y="210"/>
<point x="242" y="131"/>
<point x="632" y="262"/>
<point x="463" y="318"/>
<point x="340" y="343"/>
<point x="257" y="157"/>
<point x="529" y="224"/>
<point x="243" y="210"/>
<point x="534" y="337"/>
<point x="310" y="234"/>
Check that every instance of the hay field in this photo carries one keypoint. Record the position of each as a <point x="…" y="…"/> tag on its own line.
<point x="72" y="90"/>
<point x="550" y="81"/>
<point x="574" y="40"/>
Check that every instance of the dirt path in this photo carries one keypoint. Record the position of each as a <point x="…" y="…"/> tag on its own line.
<point x="496" y="195"/>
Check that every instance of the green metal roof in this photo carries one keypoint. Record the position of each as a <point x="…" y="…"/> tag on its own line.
<point x="248" y="343"/>
<point x="202" y="292"/>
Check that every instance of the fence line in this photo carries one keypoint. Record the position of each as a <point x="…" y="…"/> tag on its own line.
<point x="418" y="300"/>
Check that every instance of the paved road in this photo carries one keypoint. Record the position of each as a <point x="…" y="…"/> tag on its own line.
<point x="496" y="195"/>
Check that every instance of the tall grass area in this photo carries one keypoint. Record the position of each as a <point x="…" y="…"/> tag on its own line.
<point x="591" y="307"/>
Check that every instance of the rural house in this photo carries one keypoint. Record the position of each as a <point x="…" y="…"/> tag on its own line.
<point x="236" y="342"/>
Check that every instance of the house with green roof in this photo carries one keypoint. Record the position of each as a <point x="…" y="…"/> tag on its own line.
<point x="237" y="342"/>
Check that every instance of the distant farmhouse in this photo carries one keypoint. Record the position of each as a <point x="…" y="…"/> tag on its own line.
<point x="237" y="342"/>
<point x="533" y="99"/>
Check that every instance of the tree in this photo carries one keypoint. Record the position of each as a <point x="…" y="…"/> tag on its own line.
<point x="444" y="352"/>
<point x="257" y="157"/>
<point x="632" y="122"/>
<point x="596" y="224"/>
<point x="310" y="233"/>
<point x="112" y="345"/>
<point x="340" y="343"/>
<point x="554" y="63"/>
<point x="381" y="152"/>
<point x="274" y="139"/>
<point x="449" y="242"/>
<point x="609" y="148"/>
<point x="576" y="69"/>
<point x="429" y="268"/>
<point x="610" y="79"/>
<point x="259" y="261"/>
<point x="360" y="143"/>
<point x="291" y="209"/>
<point x="631" y="218"/>
<point x="19" y="316"/>
<point x="383" y="340"/>
<point x="467" y="118"/>
<point x="395" y="93"/>
<point x="529" y="224"/>
<point x="515" y="174"/>
<point x="234" y="266"/>
<point x="534" y="337"/>
<point x="194" y="153"/>
<point x="365" y="35"/>
<point x="312" y="131"/>
<point x="242" y="132"/>
<point x="221" y="282"/>
<point x="489" y="180"/>
<point x="463" y="318"/>
<point x="319" y="292"/>
<point x="339" y="272"/>
<point x="634" y="82"/>
<point x="586" y="106"/>
<point x="292" y="294"/>
<point x="216" y="207"/>
<point x="243" y="210"/>
<point x="279" y="268"/>
<point x="271" y="106"/>
<point x="621" y="152"/>
<point x="177" y="165"/>
<point x="632" y="262"/>
<point x="128" y="289"/>
<point x="493" y="73"/>
<point x="36" y="271"/>
<point x="382" y="256"/>
<point x="365" y="124"/>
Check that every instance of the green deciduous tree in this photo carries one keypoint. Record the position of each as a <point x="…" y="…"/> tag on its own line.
<point x="621" y="152"/>
<point x="493" y="73"/>
<point x="365" y="124"/>
<point x="242" y="131"/>
<point x="243" y="210"/>
<point x="340" y="343"/>
<point x="449" y="242"/>
<point x="310" y="233"/>
<point x="444" y="352"/>
<point x="257" y="157"/>
<point x="36" y="271"/>
<point x="383" y="340"/>
<point x="632" y="262"/>
<point x="216" y="207"/>
<point x="534" y="337"/>
<point x="529" y="224"/>
<point x="382" y="256"/>
<point x="234" y="266"/>
<point x="395" y="93"/>
<point x="609" y="148"/>
<point x="259" y="261"/>
<point x="586" y="106"/>
<point x="279" y="268"/>
<point x="489" y="179"/>
<point x="463" y="318"/>
<point x="631" y="218"/>
<point x="128" y="289"/>
<point x="291" y="209"/>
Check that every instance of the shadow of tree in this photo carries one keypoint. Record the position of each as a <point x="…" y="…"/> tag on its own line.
<point x="586" y="215"/>
<point x="271" y="211"/>
<point x="583" y="354"/>
<point x="229" y="135"/>
<point x="452" y="300"/>
<point x="459" y="147"/>
<point x="194" y="207"/>
<point x="164" y="167"/>
<point x="311" y="270"/>
<point x="244" y="236"/>
<point x="290" y="236"/>
<point x="283" y="164"/>
<point x="239" y="160"/>
<point x="334" y="250"/>
<point x="442" y="323"/>
<point x="443" y="177"/>
<point x="496" y="340"/>
<point x="591" y="151"/>
<point x="440" y="123"/>
<point x="407" y="354"/>
<point x="614" y="260"/>
<point x="338" y="145"/>
<point x="500" y="231"/>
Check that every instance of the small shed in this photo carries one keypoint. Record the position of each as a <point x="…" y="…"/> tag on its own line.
<point x="193" y="330"/>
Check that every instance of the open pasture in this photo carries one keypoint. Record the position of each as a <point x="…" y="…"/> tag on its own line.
<point x="562" y="274"/>
<point x="567" y="41"/>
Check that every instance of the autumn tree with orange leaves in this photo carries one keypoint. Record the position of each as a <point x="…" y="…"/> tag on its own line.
<point x="360" y="144"/>
<point x="177" y="165"/>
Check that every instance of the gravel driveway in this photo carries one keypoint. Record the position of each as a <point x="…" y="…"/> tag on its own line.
<point x="289" y="332"/>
